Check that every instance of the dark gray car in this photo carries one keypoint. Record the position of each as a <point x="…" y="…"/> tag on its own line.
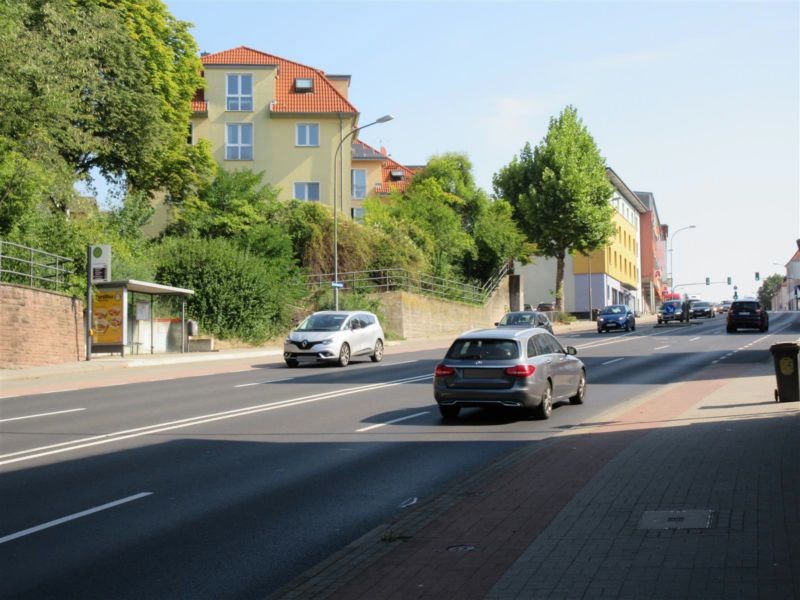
<point x="526" y="319"/>
<point x="524" y="369"/>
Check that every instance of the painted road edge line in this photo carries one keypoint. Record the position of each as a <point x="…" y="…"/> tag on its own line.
<point x="59" y="412"/>
<point x="611" y="361"/>
<point x="419" y="414"/>
<point x="83" y="513"/>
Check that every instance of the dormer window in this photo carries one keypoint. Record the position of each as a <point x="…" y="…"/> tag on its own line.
<point x="396" y="175"/>
<point x="303" y="85"/>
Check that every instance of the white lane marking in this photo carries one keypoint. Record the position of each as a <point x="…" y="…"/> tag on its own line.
<point x="72" y="517"/>
<point x="713" y="362"/>
<point x="661" y="347"/>
<point x="241" y="385"/>
<point x="405" y="362"/>
<point x="694" y="339"/>
<point x="60" y="412"/>
<point x="408" y="502"/>
<point x="392" y="421"/>
<point x="198" y="420"/>
<point x="612" y="361"/>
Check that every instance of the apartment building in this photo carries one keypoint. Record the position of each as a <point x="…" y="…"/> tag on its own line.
<point x="285" y="119"/>
<point x="374" y="172"/>
<point x="653" y="237"/>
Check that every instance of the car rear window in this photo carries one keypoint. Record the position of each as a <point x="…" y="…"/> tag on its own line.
<point x="744" y="306"/>
<point x="483" y="349"/>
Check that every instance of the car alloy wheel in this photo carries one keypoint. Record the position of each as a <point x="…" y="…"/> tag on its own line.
<point x="545" y="408"/>
<point x="449" y="412"/>
<point x="377" y="355"/>
<point x="580" y="394"/>
<point x="344" y="355"/>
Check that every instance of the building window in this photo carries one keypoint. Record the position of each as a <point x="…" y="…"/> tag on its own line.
<point x="303" y="85"/>
<point x="307" y="134"/>
<point x="358" y="213"/>
<point x="359" y="183"/>
<point x="239" y="93"/>
<point x="239" y="141"/>
<point x="307" y="190"/>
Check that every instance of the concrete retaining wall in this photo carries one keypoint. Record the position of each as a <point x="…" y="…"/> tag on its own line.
<point x="38" y="327"/>
<point x="413" y="316"/>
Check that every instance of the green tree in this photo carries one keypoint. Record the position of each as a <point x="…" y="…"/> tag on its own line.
<point x="561" y="193"/>
<point x="769" y="288"/>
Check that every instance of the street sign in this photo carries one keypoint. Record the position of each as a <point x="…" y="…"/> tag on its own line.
<point x="337" y="284"/>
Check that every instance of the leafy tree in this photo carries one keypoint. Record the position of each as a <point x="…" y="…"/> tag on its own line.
<point x="560" y="193"/>
<point x="769" y="288"/>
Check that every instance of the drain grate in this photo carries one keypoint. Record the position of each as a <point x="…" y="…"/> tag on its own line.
<point x="677" y="519"/>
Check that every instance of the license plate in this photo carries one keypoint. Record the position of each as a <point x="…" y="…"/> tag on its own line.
<point x="482" y="373"/>
<point x="744" y="312"/>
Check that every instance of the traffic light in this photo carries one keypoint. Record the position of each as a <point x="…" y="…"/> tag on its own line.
<point x="708" y="280"/>
<point x="729" y="280"/>
<point x="758" y="276"/>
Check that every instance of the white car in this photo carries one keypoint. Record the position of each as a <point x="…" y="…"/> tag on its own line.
<point x="334" y="336"/>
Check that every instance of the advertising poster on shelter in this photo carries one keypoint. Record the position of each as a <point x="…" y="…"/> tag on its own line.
<point x="108" y="318"/>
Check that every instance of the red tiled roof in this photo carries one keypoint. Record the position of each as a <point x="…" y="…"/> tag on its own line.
<point x="324" y="99"/>
<point x="387" y="185"/>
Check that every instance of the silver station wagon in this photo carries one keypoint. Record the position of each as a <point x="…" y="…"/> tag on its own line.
<point x="334" y="336"/>
<point x="524" y="369"/>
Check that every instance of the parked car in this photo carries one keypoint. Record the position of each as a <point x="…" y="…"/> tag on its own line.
<point x="526" y="319"/>
<point x="616" y="316"/>
<point x="334" y="336"/>
<point x="702" y="309"/>
<point x="546" y="306"/>
<point x="747" y="313"/>
<point x="670" y="310"/>
<point x="524" y="369"/>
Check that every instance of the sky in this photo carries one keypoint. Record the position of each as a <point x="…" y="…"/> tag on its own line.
<point x="696" y="102"/>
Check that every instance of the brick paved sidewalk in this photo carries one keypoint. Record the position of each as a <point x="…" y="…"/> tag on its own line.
<point x="564" y="520"/>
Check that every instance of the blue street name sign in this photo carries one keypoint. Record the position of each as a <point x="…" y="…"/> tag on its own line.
<point x="337" y="284"/>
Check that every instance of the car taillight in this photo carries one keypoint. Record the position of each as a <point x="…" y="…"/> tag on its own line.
<point x="443" y="371"/>
<point x="520" y="370"/>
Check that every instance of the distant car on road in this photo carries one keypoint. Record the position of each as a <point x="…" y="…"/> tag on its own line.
<point x="616" y="316"/>
<point x="670" y="310"/>
<point x="526" y="319"/>
<point x="334" y="336"/>
<point x="747" y="313"/>
<point x="701" y="309"/>
<point x="724" y="306"/>
<point x="524" y="369"/>
<point x="546" y="306"/>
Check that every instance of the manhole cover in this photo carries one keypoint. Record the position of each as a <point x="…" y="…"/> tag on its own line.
<point x="461" y="548"/>
<point x="677" y="519"/>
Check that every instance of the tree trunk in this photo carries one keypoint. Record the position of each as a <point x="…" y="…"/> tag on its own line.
<point x="560" y="283"/>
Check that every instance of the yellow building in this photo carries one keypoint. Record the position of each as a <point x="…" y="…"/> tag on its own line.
<point x="374" y="172"/>
<point x="272" y="115"/>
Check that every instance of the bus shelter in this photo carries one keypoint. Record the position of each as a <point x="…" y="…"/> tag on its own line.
<point x="109" y="306"/>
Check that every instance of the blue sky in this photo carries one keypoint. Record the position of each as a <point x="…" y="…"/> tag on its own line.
<point x="696" y="102"/>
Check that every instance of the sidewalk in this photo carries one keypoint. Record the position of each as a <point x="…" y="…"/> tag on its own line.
<point x="693" y="492"/>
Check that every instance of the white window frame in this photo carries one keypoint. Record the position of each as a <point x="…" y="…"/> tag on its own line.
<point x="238" y="97"/>
<point x="353" y="184"/>
<point x="306" y="142"/>
<point x="305" y="185"/>
<point x="239" y="145"/>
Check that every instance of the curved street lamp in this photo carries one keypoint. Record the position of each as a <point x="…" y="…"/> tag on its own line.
<point x="671" y="264"/>
<point x="382" y="119"/>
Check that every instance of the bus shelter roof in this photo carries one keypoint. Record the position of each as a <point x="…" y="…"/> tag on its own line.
<point x="145" y="287"/>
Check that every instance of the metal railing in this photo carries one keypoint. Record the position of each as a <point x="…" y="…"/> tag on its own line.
<point x="35" y="268"/>
<point x="389" y="280"/>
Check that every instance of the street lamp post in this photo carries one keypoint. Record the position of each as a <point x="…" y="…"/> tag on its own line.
<point x="382" y="119"/>
<point x="671" y="260"/>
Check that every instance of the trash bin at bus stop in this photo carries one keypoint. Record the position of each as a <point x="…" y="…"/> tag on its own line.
<point x="785" y="357"/>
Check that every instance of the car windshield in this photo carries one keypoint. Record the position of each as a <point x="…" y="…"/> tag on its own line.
<point x="613" y="310"/>
<point x="701" y="305"/>
<point x="483" y="349"/>
<point x="518" y="319"/>
<point x="322" y="323"/>
<point x="745" y="306"/>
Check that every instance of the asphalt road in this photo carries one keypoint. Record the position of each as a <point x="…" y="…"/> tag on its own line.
<point x="230" y="485"/>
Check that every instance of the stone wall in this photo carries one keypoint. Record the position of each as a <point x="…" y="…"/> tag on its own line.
<point x="38" y="327"/>
<point x="414" y="316"/>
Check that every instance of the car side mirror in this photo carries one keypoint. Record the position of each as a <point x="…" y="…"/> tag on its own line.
<point x="571" y="350"/>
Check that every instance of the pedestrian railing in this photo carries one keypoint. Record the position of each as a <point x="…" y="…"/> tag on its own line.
<point x="389" y="280"/>
<point x="34" y="268"/>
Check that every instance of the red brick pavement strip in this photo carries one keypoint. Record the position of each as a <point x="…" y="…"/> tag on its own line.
<point x="461" y="544"/>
